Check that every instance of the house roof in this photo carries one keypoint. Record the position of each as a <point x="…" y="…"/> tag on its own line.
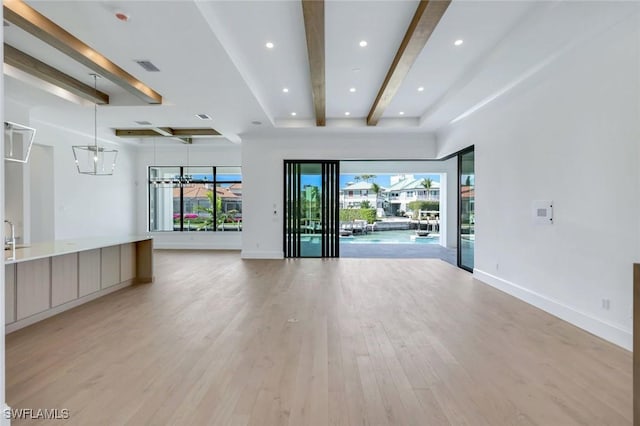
<point x="358" y="185"/>
<point x="412" y="184"/>
<point x="467" y="192"/>
<point x="201" y="192"/>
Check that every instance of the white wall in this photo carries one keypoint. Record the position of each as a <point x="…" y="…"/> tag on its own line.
<point x="174" y="153"/>
<point x="2" y="235"/>
<point x="83" y="205"/>
<point x="42" y="197"/>
<point x="571" y="135"/>
<point x="17" y="206"/>
<point x="262" y="167"/>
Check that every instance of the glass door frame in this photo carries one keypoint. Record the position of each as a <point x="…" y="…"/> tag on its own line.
<point x="459" y="219"/>
<point x="329" y="205"/>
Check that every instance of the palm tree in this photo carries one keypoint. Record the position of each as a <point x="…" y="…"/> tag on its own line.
<point x="367" y="178"/>
<point x="427" y="185"/>
<point x="220" y="216"/>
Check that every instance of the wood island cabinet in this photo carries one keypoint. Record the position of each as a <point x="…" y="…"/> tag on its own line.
<point x="33" y="287"/>
<point x="50" y="278"/>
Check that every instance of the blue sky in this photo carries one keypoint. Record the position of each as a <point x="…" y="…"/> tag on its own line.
<point x="383" y="180"/>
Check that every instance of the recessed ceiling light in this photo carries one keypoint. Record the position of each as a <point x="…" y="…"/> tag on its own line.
<point x="256" y="123"/>
<point x="420" y="89"/>
<point x="269" y="45"/>
<point x="347" y="113"/>
<point x="285" y="90"/>
<point x="353" y="89"/>
<point x="293" y="114"/>
<point x="401" y="112"/>
<point x="363" y="43"/>
<point x="458" y="42"/>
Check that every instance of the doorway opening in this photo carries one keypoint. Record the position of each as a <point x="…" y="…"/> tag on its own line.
<point x="398" y="209"/>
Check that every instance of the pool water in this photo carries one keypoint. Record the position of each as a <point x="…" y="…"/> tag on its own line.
<point x="390" y="237"/>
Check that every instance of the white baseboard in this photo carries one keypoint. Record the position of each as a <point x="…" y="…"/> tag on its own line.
<point x="194" y="246"/>
<point x="610" y="332"/>
<point x="247" y="254"/>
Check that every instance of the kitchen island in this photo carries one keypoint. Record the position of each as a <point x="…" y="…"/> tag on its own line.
<point x="44" y="279"/>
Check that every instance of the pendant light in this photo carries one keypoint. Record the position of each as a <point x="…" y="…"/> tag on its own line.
<point x="94" y="159"/>
<point x="185" y="179"/>
<point x="18" y="140"/>
<point x="159" y="181"/>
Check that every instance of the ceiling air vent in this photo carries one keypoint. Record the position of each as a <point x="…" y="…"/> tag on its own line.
<point x="148" y="66"/>
<point x="143" y="123"/>
<point x="203" y="116"/>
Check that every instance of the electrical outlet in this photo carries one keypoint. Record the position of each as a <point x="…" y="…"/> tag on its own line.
<point x="606" y="304"/>
<point x="497" y="266"/>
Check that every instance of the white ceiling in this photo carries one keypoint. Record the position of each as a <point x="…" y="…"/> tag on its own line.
<point x="213" y="59"/>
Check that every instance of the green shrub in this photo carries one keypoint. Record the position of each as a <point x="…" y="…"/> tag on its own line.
<point x="424" y="205"/>
<point x="348" y="215"/>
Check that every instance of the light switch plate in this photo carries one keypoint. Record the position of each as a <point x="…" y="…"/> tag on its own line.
<point x="543" y="212"/>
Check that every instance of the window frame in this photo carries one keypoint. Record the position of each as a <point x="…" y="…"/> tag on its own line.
<point x="214" y="182"/>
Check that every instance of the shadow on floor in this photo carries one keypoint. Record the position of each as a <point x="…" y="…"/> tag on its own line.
<point x="399" y="251"/>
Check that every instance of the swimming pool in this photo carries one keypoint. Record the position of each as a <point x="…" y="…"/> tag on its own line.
<point x="390" y="237"/>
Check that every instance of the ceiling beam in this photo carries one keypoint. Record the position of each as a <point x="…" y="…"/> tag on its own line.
<point x="30" y="65"/>
<point x="137" y="133"/>
<point x="167" y="132"/>
<point x="25" y="17"/>
<point x="313" y="11"/>
<point x="424" y="21"/>
<point x="194" y="132"/>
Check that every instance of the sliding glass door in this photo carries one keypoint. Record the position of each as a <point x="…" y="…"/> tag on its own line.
<point x="311" y="192"/>
<point x="466" y="209"/>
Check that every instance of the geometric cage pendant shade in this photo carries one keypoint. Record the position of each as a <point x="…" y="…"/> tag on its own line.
<point x="18" y="140"/>
<point x="94" y="159"/>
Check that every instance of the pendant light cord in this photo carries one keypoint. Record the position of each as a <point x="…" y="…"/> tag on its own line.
<point x="95" y="114"/>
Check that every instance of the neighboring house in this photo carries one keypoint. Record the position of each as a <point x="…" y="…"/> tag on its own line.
<point x="405" y="189"/>
<point x="196" y="196"/>
<point x="231" y="197"/>
<point x="236" y="188"/>
<point x="352" y="196"/>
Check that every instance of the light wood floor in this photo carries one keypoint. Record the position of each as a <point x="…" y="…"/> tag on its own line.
<point x="218" y="340"/>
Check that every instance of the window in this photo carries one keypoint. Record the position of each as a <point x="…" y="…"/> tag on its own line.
<point x="409" y="193"/>
<point x="195" y="199"/>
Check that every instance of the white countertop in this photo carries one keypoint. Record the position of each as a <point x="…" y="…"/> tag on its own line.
<point x="56" y="248"/>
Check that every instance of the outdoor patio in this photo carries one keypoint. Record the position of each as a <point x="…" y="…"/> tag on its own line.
<point x="399" y="251"/>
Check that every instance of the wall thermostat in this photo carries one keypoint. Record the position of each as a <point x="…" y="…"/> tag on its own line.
<point x="543" y="212"/>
